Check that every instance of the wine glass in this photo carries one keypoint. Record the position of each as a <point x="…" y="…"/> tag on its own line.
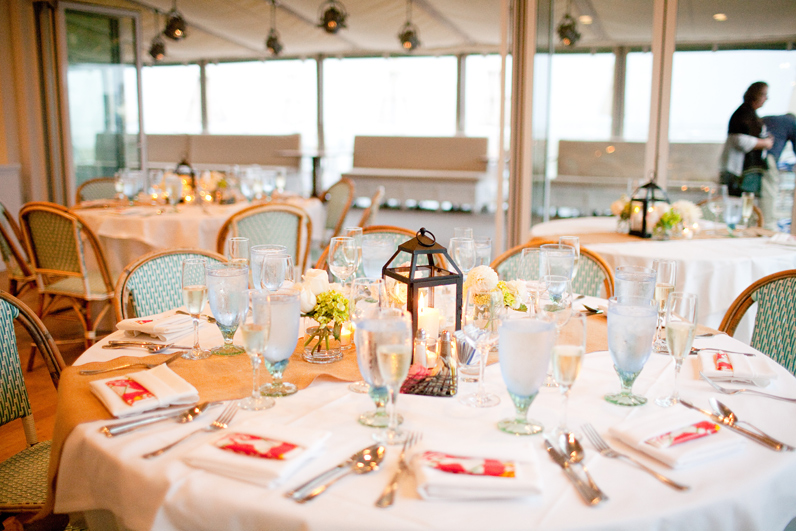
<point x="385" y="326"/>
<point x="342" y="257"/>
<point x="131" y="185"/>
<point x="356" y="233"/>
<point x="258" y="253"/>
<point x="748" y="203"/>
<point x="277" y="271"/>
<point x="732" y="214"/>
<point x="173" y="190"/>
<point x="483" y="251"/>
<point x="482" y="317"/>
<point x="462" y="232"/>
<point x="246" y="185"/>
<point x="376" y="251"/>
<point x="254" y="329"/>
<point x="194" y="295"/>
<point x="574" y="242"/>
<point x="717" y="196"/>
<point x="227" y="284"/>
<point x="681" y="321"/>
<point x="631" y="326"/>
<point x="635" y="281"/>
<point x="531" y="272"/>
<point x="394" y="361"/>
<point x="558" y="260"/>
<point x="462" y="251"/>
<point x="568" y="352"/>
<point x="285" y="319"/>
<point x="366" y="297"/>
<point x="664" y="284"/>
<point x="523" y="368"/>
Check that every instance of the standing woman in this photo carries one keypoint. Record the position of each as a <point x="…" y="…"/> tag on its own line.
<point x="742" y="161"/>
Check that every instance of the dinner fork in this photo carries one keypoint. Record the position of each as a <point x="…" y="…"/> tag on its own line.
<point x="605" y="450"/>
<point x="726" y="391"/>
<point x="221" y="423"/>
<point x="695" y="351"/>
<point x="136" y="364"/>
<point x="388" y="494"/>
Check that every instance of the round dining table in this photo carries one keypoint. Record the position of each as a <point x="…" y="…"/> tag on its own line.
<point x="108" y="481"/>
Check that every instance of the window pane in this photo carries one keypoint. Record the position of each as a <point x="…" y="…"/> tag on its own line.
<point x="482" y="103"/>
<point x="638" y="87"/>
<point x="171" y="99"/>
<point x="266" y="98"/>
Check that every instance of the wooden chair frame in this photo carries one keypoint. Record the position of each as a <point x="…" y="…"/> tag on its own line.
<point x="369" y="213"/>
<point x="744" y="301"/>
<point x="122" y="296"/>
<point x="322" y="196"/>
<point x="17" y="285"/>
<point x="321" y="263"/>
<point x="755" y="209"/>
<point x="78" y="193"/>
<point x="305" y="228"/>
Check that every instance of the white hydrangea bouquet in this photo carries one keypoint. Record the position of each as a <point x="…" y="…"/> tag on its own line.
<point x="679" y="217"/>
<point x="483" y="280"/>
<point x="324" y="302"/>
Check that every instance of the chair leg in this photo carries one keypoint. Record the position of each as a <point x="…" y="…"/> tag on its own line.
<point x="31" y="357"/>
<point x="13" y="289"/>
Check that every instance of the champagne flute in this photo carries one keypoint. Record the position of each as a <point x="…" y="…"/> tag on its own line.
<point x="342" y="257"/>
<point x="681" y="321"/>
<point x="285" y="319"/>
<point x="482" y="317"/>
<point x="238" y="253"/>
<point x="568" y="352"/>
<point x="631" y="327"/>
<point x="665" y="271"/>
<point x="574" y="242"/>
<point x="356" y="233"/>
<point x="367" y="296"/>
<point x="748" y="200"/>
<point x="462" y="251"/>
<point x="194" y="295"/>
<point x="254" y="330"/>
<point x="531" y="272"/>
<point x="394" y="361"/>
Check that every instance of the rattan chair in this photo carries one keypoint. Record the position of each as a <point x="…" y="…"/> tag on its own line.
<point x="395" y="235"/>
<point x="338" y="199"/>
<point x="369" y="214"/>
<point x="56" y="239"/>
<point x="274" y="223"/>
<point x="774" y="331"/>
<point x="153" y="283"/>
<point x="594" y="277"/>
<point x="20" y="275"/>
<point x="23" y="477"/>
<point x="755" y="220"/>
<point x="102" y="188"/>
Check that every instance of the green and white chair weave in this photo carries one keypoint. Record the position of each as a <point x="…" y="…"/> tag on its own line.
<point x="23" y="476"/>
<point x="153" y="283"/>
<point x="395" y="235"/>
<point x="774" y="331"/>
<point x="93" y="189"/>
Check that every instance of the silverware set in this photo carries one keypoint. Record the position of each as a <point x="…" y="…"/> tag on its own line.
<point x="589" y="494"/>
<point x="221" y="423"/>
<point x="86" y="372"/>
<point x="387" y="497"/>
<point x="179" y="414"/>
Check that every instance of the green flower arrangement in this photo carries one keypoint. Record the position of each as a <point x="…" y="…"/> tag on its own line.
<point x="327" y="305"/>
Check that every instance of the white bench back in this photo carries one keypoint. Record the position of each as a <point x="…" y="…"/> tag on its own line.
<point x="421" y="153"/>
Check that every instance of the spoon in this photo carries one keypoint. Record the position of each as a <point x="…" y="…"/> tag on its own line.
<point x="732" y="420"/>
<point x="362" y="462"/>
<point x="595" y="311"/>
<point x="575" y="453"/>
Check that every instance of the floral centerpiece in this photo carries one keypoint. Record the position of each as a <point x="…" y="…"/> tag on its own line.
<point x="325" y="303"/>
<point x="483" y="280"/>
<point x="679" y="217"/>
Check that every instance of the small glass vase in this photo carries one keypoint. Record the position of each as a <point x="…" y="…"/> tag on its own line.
<point x="622" y="226"/>
<point x="662" y="233"/>
<point x="320" y="345"/>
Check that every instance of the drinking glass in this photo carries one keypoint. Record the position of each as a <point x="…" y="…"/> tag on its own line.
<point x="342" y="257"/>
<point x="574" y="242"/>
<point x="635" y="281"/>
<point x="732" y="214"/>
<point x="173" y="190"/>
<point x="558" y="260"/>
<point x="258" y="253"/>
<point x="394" y="360"/>
<point x="748" y="202"/>
<point x="254" y="329"/>
<point x="238" y="250"/>
<point x="556" y="302"/>
<point x="525" y="346"/>
<point x="277" y="271"/>
<point x="568" y="352"/>
<point x="681" y="321"/>
<point x="386" y="326"/>
<point x="482" y="317"/>
<point x="483" y="251"/>
<point x="356" y="233"/>
<point x="268" y="184"/>
<point x="194" y="296"/>
<point x="631" y="326"/>
<point x="280" y="180"/>
<point x="463" y="232"/>
<point x="531" y="272"/>
<point x="462" y="251"/>
<point x="246" y="185"/>
<point x="285" y="318"/>
<point x="366" y="297"/>
<point x="227" y="285"/>
<point x="717" y="196"/>
<point x="664" y="285"/>
<point x="375" y="253"/>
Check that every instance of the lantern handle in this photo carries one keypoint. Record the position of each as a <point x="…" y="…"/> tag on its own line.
<point x="424" y="233"/>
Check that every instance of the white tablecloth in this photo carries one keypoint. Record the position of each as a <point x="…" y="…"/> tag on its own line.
<point x="127" y="234"/>
<point x="717" y="270"/>
<point x="560" y="227"/>
<point x="755" y="489"/>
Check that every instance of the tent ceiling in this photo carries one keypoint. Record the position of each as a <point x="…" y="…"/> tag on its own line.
<point x="236" y="29"/>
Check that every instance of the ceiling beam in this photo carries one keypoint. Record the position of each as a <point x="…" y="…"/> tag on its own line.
<point x="434" y="13"/>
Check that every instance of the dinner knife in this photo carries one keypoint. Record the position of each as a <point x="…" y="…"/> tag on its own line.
<point x="724" y="421"/>
<point x="589" y="495"/>
<point x="126" y="426"/>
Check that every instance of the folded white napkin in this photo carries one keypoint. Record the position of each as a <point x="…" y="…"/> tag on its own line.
<point x="476" y="472"/>
<point x="263" y="455"/>
<point x="166" y="326"/>
<point x="141" y="391"/>
<point x="637" y="431"/>
<point x="748" y="369"/>
<point x="781" y="238"/>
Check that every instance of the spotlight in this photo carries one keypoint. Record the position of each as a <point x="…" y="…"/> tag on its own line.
<point x="568" y="31"/>
<point x="175" y="24"/>
<point x="272" y="42"/>
<point x="408" y="36"/>
<point x="158" y="48"/>
<point x="333" y="16"/>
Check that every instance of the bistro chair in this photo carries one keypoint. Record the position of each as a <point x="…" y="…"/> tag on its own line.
<point x="56" y="239"/>
<point x="93" y="189"/>
<point x="153" y="283"/>
<point x="395" y="235"/>
<point x="23" y="476"/>
<point x="273" y="223"/>
<point x="369" y="214"/>
<point x="20" y="275"/>
<point x="774" y="331"/>
<point x="338" y="199"/>
<point x="594" y="277"/>
<point x="755" y="220"/>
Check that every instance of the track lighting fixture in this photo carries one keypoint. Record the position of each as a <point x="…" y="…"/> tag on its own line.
<point x="333" y="16"/>
<point x="408" y="36"/>
<point x="157" y="50"/>
<point x="175" y="24"/>
<point x="568" y="29"/>
<point x="272" y="43"/>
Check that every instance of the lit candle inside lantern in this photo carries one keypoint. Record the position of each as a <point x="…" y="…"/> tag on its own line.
<point x="428" y="319"/>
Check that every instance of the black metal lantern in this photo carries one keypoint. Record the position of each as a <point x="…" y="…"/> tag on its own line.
<point x="642" y="204"/>
<point x="423" y="275"/>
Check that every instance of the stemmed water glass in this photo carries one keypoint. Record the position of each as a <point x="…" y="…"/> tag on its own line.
<point x="558" y="260"/>
<point x="568" y="352"/>
<point x="574" y="242"/>
<point x="631" y="326"/>
<point x="277" y="271"/>
<point x="366" y="297"/>
<point x="525" y="346"/>
<point x="732" y="214"/>
<point x="394" y="359"/>
<point x="285" y="318"/>
<point x="664" y="284"/>
<point x="342" y="257"/>
<point x="254" y="329"/>
<point x="357" y="234"/>
<point x="194" y="295"/>
<point x="717" y="196"/>
<point x="462" y="251"/>
<point x="463" y="232"/>
<point x="555" y="306"/>
<point x="531" y="272"/>
<point x="258" y="253"/>
<point x="482" y="317"/>
<point x="681" y="321"/>
<point x="173" y="190"/>
<point x="227" y="284"/>
<point x="483" y="251"/>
